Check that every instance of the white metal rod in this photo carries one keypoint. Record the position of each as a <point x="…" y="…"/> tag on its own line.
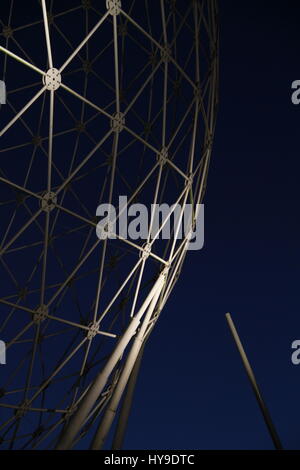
<point x="111" y="410"/>
<point x="20" y="113"/>
<point x="23" y="61"/>
<point x="75" y="52"/>
<point x="98" y="385"/>
<point x="116" y="59"/>
<point x="50" y="143"/>
<point x="119" y="291"/>
<point x="82" y="98"/>
<point x="47" y="34"/>
<point x="127" y="402"/>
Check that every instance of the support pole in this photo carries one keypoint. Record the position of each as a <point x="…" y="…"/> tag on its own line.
<point x="249" y="371"/>
<point x="111" y="410"/>
<point x="90" y="398"/>
<point x="127" y="403"/>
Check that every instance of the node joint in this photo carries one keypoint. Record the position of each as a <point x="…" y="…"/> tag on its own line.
<point x="146" y="251"/>
<point x="7" y="32"/>
<point x="92" y="331"/>
<point x="162" y="157"/>
<point x="22" y="410"/>
<point x="48" y="201"/>
<point x="166" y="53"/>
<point x="189" y="181"/>
<point x="117" y="122"/>
<point x="40" y="314"/>
<point x="86" y="4"/>
<point x="52" y="79"/>
<point x="113" y="6"/>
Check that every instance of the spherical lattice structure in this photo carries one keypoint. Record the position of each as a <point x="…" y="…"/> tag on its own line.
<point x="104" y="99"/>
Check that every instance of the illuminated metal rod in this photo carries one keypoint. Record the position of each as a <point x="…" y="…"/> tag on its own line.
<point x="47" y="34"/>
<point x="249" y="371"/>
<point x="85" y="40"/>
<point x="111" y="410"/>
<point x="98" y="385"/>
<point x="20" y="113"/>
<point x="126" y="404"/>
<point x="23" y="61"/>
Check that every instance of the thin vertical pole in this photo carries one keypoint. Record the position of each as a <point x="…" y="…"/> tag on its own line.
<point x="126" y="405"/>
<point x="249" y="371"/>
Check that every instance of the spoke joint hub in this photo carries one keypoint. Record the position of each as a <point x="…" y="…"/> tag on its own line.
<point x="52" y="79"/>
<point x="113" y="6"/>
<point x="92" y="331"/>
<point x="117" y="122"/>
<point x="48" y="201"/>
<point x="41" y="314"/>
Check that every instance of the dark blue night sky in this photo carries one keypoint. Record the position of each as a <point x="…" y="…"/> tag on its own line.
<point x="193" y="391"/>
